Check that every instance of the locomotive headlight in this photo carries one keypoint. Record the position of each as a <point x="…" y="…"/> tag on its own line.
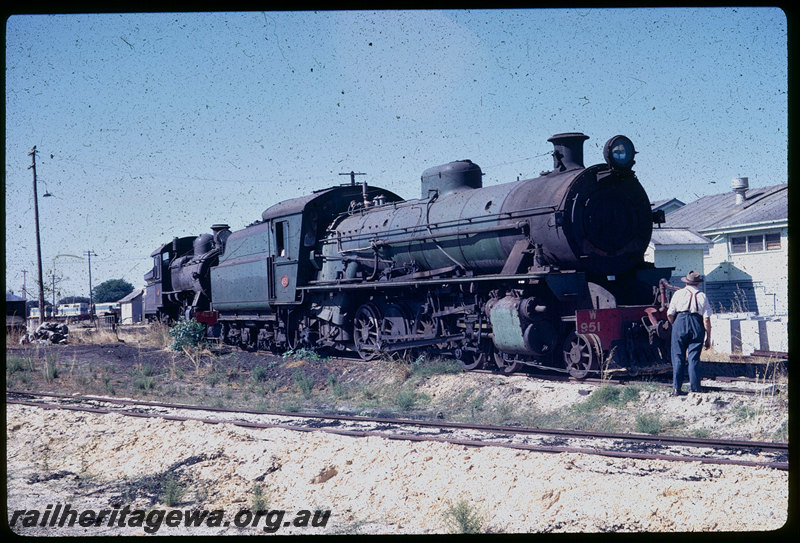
<point x="619" y="152"/>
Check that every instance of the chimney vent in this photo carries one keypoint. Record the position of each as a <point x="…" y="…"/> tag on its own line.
<point x="739" y="185"/>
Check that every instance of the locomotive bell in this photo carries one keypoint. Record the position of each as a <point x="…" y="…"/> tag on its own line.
<point x="451" y="177"/>
<point x="568" y="151"/>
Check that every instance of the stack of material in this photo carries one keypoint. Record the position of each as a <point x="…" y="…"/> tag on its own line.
<point x="48" y="332"/>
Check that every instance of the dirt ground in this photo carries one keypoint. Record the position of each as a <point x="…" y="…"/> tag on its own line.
<point x="372" y="485"/>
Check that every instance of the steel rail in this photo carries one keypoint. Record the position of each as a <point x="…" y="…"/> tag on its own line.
<point x="675" y="440"/>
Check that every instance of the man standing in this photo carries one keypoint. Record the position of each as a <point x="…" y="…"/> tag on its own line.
<point x="690" y="316"/>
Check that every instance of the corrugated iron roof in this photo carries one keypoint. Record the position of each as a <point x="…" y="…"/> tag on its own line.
<point x="658" y="204"/>
<point x="678" y="236"/>
<point x="135" y="293"/>
<point x="13" y="298"/>
<point x="719" y="211"/>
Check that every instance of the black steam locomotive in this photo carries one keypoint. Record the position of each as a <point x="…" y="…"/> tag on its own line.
<point x="547" y="272"/>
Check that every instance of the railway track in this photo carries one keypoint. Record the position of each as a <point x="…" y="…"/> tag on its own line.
<point x="638" y="446"/>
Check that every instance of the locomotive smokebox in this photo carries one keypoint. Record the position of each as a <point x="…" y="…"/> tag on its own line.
<point x="568" y="151"/>
<point x="451" y="177"/>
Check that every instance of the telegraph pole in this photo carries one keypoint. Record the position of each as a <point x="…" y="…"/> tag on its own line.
<point x="38" y="239"/>
<point x="90" y="254"/>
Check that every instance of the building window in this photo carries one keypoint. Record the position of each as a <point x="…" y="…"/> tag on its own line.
<point x="756" y="243"/>
<point x="773" y="241"/>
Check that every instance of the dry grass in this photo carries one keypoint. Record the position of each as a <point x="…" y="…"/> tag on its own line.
<point x="153" y="335"/>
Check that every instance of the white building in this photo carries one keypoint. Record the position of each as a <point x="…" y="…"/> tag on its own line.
<point x="679" y="248"/>
<point x="131" y="307"/>
<point x="747" y="266"/>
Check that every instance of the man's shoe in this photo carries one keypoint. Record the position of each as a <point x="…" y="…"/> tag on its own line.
<point x="676" y="392"/>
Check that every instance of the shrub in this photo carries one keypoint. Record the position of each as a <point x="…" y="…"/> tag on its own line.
<point x="187" y="333"/>
<point x="171" y="491"/>
<point x="304" y="382"/>
<point x="337" y="389"/>
<point x="608" y="396"/>
<point x="259" y="374"/>
<point x="260" y="501"/>
<point x="406" y="399"/>
<point x="461" y="518"/>
<point x="17" y="363"/>
<point x="647" y="423"/>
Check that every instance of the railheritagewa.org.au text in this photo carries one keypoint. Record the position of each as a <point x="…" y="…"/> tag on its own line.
<point x="152" y="520"/>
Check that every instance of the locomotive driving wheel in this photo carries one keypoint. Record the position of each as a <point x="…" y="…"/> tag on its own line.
<point x="367" y="331"/>
<point x="582" y="354"/>
<point x="428" y="326"/>
<point x="394" y="328"/>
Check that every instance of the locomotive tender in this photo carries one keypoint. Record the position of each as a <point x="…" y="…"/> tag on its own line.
<point x="546" y="271"/>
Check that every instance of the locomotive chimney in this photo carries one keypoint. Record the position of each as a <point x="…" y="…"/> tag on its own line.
<point x="740" y="186"/>
<point x="568" y="151"/>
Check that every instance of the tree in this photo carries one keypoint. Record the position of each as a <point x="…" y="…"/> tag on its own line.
<point x="111" y="291"/>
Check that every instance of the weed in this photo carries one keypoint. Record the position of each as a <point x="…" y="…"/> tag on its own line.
<point x="171" y="491"/>
<point x="214" y="378"/>
<point x="337" y="389"/>
<point x="260" y="501"/>
<point x="108" y="386"/>
<point x="421" y="367"/>
<point x="259" y="374"/>
<point x="406" y="399"/>
<point x="16" y="364"/>
<point x="608" y="396"/>
<point x="744" y="412"/>
<point x="291" y="406"/>
<point x="476" y="403"/>
<point x="304" y="383"/>
<point x="782" y="433"/>
<point x="502" y="412"/>
<point x="50" y="369"/>
<point x="303" y="353"/>
<point x="187" y="334"/>
<point x="142" y="379"/>
<point x="143" y="384"/>
<point x="649" y="423"/>
<point x="462" y="518"/>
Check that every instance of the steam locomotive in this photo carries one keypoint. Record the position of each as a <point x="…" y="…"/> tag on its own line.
<point x="545" y="272"/>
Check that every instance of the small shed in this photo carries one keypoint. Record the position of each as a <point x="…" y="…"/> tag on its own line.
<point x="131" y="307"/>
<point x="679" y="248"/>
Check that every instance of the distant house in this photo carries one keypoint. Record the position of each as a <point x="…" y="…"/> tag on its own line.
<point x="15" y="311"/>
<point x="131" y="307"/>
<point x="668" y="205"/>
<point x="679" y="248"/>
<point x="746" y="267"/>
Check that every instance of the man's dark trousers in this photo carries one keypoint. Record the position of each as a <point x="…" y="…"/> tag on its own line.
<point x="688" y="334"/>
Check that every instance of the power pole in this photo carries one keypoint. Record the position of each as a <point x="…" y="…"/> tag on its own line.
<point x="24" y="289"/>
<point x="38" y="239"/>
<point x="90" y="254"/>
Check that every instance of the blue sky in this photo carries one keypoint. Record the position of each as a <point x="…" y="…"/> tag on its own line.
<point x="150" y="126"/>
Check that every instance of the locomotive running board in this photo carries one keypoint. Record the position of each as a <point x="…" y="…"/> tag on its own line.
<point x="402" y="284"/>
